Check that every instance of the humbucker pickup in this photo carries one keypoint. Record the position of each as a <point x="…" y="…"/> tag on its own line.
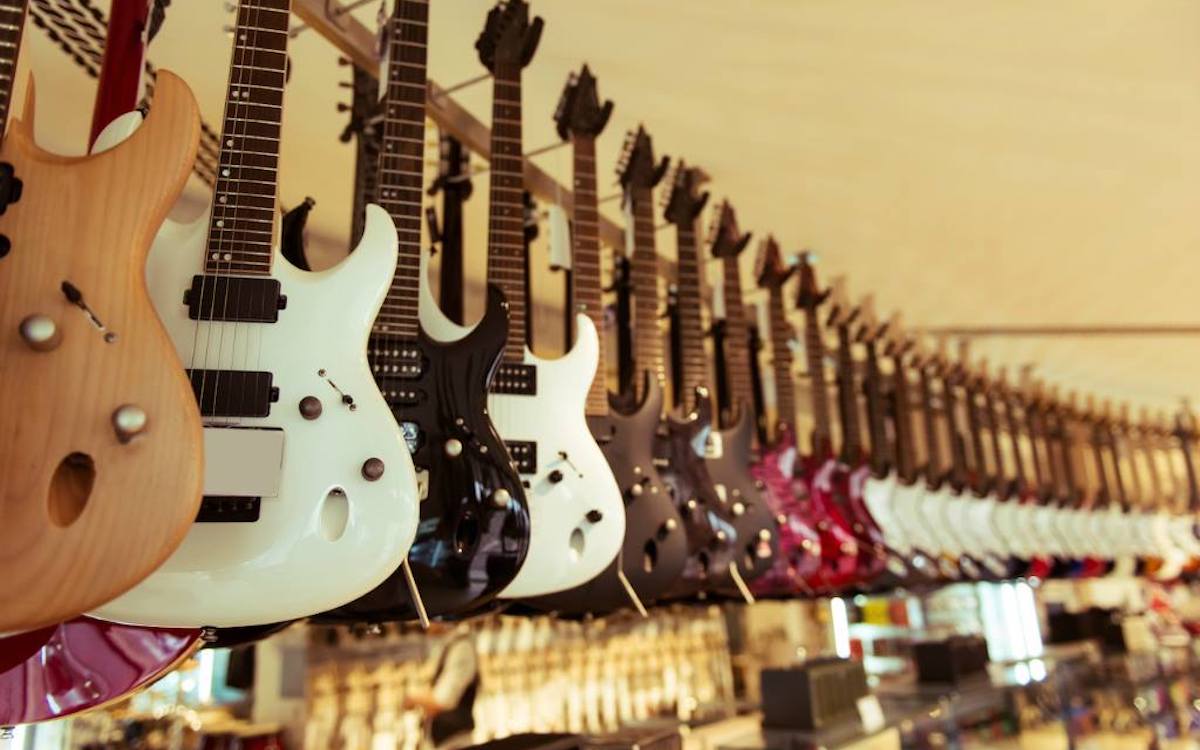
<point x="524" y="455"/>
<point x="233" y="393"/>
<point x="222" y="509"/>
<point x="515" y="380"/>
<point x="399" y="392"/>
<point x="235" y="299"/>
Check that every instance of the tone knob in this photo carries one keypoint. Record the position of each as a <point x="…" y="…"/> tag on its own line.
<point x="722" y="536"/>
<point x="555" y="476"/>
<point x="637" y="470"/>
<point x="738" y="509"/>
<point x="310" y="407"/>
<point x="692" y="504"/>
<point x="453" y="447"/>
<point x="501" y="498"/>
<point x="636" y="490"/>
<point x="40" y="333"/>
<point x="129" y="421"/>
<point x="764" y="535"/>
<point x="781" y="519"/>
<point x="594" y="516"/>
<point x="671" y="524"/>
<point x="372" y="469"/>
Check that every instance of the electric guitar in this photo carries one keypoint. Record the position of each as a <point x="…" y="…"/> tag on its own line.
<point x="679" y="448"/>
<point x="1184" y="530"/>
<point x="731" y="458"/>
<point x="577" y="519"/>
<point x="819" y="470"/>
<point x="306" y="470"/>
<point x="655" y="547"/>
<point x="744" y="539"/>
<point x="1010" y="486"/>
<point x="101" y="456"/>
<point x="474" y="520"/>
<point x="984" y="476"/>
<point x="799" y="556"/>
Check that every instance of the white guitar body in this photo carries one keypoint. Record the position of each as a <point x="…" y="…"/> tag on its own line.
<point x="908" y="510"/>
<point x="566" y="549"/>
<point x="326" y="534"/>
<point x="878" y="494"/>
<point x="1119" y="533"/>
<point x="1173" y="557"/>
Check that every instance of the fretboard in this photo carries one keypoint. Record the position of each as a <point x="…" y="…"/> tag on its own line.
<point x="881" y="453"/>
<point x="693" y="364"/>
<point x="902" y="421"/>
<point x="12" y="24"/>
<point x="401" y="160"/>
<point x="585" y="260"/>
<point x="1186" y="447"/>
<point x="737" y="343"/>
<point x="242" y="229"/>
<point x="934" y="466"/>
<point x="814" y="351"/>
<point x="781" y="358"/>
<point x="506" y="222"/>
<point x="643" y="271"/>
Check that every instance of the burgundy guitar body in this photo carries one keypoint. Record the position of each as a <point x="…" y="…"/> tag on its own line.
<point x="799" y="559"/>
<point x="819" y="482"/>
<point x="83" y="664"/>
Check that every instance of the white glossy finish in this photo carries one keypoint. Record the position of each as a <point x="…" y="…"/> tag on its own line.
<point x="285" y="566"/>
<point x="878" y="494"/>
<point x="565" y="549"/>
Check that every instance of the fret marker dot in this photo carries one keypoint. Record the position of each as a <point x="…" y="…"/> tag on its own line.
<point x="228" y="141"/>
<point x="224" y="172"/>
<point x="215" y="256"/>
<point x="220" y="222"/>
<point x="222" y="199"/>
<point x="228" y="256"/>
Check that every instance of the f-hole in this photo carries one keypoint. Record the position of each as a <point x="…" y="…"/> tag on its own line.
<point x="70" y="488"/>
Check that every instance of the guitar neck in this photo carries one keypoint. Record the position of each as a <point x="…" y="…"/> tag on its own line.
<point x="242" y="229"/>
<point x="933" y="451"/>
<point x="847" y="397"/>
<point x="12" y="25"/>
<point x="737" y="342"/>
<point x="401" y="159"/>
<point x="902" y="421"/>
<point x="648" y="342"/>
<point x="882" y="455"/>
<point x="506" y="224"/>
<point x="693" y="362"/>
<point x="585" y="260"/>
<point x="814" y="350"/>
<point x="781" y="358"/>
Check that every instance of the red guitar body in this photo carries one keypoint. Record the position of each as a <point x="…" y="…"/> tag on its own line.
<point x="83" y="664"/>
<point x="799" y="559"/>
<point x="873" y="552"/>
<point x="819" y="482"/>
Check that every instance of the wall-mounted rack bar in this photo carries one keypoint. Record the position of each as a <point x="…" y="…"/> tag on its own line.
<point x="358" y="43"/>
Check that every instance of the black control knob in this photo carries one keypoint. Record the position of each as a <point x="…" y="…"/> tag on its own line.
<point x="594" y="516"/>
<point x="372" y="469"/>
<point x="555" y="477"/>
<point x="310" y="407"/>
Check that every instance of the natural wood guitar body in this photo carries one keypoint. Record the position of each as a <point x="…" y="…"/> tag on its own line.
<point x="84" y="515"/>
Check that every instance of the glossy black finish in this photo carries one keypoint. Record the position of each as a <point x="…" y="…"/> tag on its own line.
<point x="466" y="550"/>
<point x="745" y="504"/>
<point x="681" y="441"/>
<point x="656" y="542"/>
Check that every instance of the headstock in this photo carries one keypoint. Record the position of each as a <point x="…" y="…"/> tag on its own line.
<point x="508" y="36"/>
<point x="726" y="240"/>
<point x="898" y="342"/>
<point x="870" y="328"/>
<point x="579" y="110"/>
<point x="770" y="270"/>
<point x="637" y="168"/>
<point x="685" y="201"/>
<point x="809" y="296"/>
<point x="841" y="311"/>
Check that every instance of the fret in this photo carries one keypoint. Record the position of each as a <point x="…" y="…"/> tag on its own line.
<point x="8" y="57"/>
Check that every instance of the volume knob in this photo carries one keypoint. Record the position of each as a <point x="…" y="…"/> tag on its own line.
<point x="501" y="498"/>
<point x="129" y="421"/>
<point x="453" y="447"/>
<point x="372" y="469"/>
<point x="40" y="333"/>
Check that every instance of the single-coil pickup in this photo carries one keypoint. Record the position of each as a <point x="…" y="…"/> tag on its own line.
<point x="235" y="299"/>
<point x="515" y="380"/>
<point x="524" y="455"/>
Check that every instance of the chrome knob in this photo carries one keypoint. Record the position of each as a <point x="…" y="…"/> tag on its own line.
<point x="671" y="524"/>
<point x="636" y="490"/>
<point x="453" y="447"/>
<point x="129" y="421"/>
<point x="722" y="536"/>
<point x="738" y="509"/>
<point x="501" y="498"/>
<point x="764" y="535"/>
<point x="781" y="519"/>
<point x="40" y="333"/>
<point x="691" y="504"/>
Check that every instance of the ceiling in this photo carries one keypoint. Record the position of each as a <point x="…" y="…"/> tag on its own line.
<point x="1000" y="162"/>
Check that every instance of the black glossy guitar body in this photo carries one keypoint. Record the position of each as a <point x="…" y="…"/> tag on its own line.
<point x="711" y="537"/>
<point x="469" y="545"/>
<point x="744" y="502"/>
<point x="656" y="544"/>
